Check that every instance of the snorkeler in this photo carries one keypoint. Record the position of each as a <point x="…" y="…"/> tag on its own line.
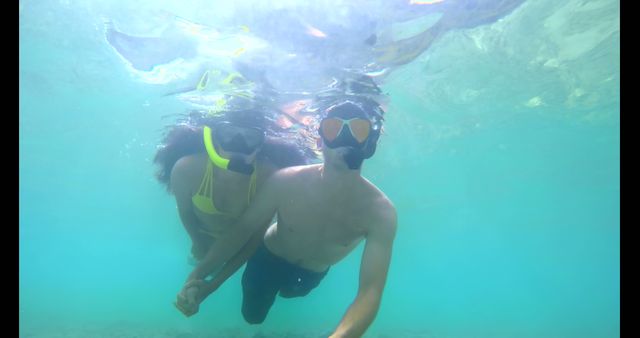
<point x="214" y="167"/>
<point x="323" y="212"/>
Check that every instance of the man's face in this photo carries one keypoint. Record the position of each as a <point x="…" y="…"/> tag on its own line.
<point x="343" y="158"/>
<point x="352" y="131"/>
<point x="335" y="156"/>
<point x="345" y="132"/>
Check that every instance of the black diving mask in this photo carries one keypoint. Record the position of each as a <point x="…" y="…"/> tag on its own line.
<point x="238" y="139"/>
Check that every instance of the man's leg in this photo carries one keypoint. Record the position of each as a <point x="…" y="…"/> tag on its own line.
<point x="260" y="284"/>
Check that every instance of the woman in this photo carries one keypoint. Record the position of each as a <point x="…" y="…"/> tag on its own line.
<point x="213" y="167"/>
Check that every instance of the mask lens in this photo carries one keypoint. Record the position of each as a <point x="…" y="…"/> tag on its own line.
<point x="330" y="128"/>
<point x="224" y="133"/>
<point x="360" y="129"/>
<point x="253" y="137"/>
<point x="227" y="133"/>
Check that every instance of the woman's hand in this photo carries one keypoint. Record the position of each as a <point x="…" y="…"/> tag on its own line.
<point x="189" y="298"/>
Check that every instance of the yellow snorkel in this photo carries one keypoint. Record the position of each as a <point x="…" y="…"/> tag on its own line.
<point x="234" y="164"/>
<point x="213" y="155"/>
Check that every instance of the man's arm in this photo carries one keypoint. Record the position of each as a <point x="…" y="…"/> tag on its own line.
<point x="231" y="266"/>
<point x="373" y="275"/>
<point x="265" y="170"/>
<point x="256" y="217"/>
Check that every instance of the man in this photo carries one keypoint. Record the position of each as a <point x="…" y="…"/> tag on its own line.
<point x="323" y="212"/>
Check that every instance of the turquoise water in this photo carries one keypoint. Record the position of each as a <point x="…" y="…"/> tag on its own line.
<point x="501" y="154"/>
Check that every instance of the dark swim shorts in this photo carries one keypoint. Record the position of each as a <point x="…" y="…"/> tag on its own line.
<point x="267" y="274"/>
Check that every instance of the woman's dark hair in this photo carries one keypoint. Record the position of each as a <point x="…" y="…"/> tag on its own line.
<point x="282" y="153"/>
<point x="181" y="140"/>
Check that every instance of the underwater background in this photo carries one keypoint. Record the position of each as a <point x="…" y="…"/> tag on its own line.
<point x="501" y="153"/>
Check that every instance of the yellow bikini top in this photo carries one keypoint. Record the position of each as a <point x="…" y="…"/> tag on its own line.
<point x="203" y="199"/>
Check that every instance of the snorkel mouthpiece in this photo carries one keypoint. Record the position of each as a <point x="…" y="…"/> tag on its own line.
<point x="238" y="165"/>
<point x="354" y="158"/>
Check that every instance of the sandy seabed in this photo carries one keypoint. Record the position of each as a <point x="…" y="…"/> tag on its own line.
<point x="174" y="333"/>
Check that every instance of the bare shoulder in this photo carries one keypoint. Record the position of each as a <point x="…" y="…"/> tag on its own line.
<point x="383" y="212"/>
<point x="186" y="169"/>
<point x="295" y="174"/>
<point x="284" y="182"/>
<point x="265" y="169"/>
<point x="386" y="212"/>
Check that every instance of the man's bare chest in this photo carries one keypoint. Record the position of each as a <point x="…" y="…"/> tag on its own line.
<point x="321" y="223"/>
